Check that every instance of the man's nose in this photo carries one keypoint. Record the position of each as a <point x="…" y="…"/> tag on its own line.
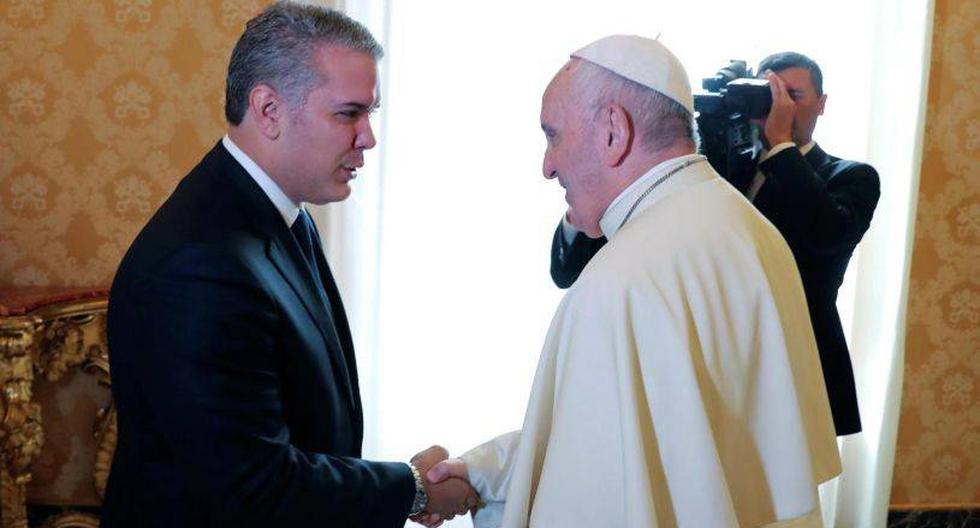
<point x="548" y="169"/>
<point x="365" y="135"/>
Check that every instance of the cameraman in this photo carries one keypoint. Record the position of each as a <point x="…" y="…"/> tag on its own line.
<point x="822" y="205"/>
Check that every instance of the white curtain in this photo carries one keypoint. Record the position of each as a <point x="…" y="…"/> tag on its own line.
<point x="897" y="103"/>
<point x="441" y="253"/>
<point x="351" y="232"/>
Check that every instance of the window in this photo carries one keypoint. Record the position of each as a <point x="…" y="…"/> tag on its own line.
<point x="463" y="298"/>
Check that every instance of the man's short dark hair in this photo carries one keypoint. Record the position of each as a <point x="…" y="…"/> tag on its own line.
<point x="778" y="62"/>
<point x="277" y="49"/>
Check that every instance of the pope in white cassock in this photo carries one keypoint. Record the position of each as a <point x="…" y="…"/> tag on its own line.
<point x="679" y="384"/>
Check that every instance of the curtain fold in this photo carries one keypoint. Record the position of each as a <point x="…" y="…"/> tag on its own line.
<point x="860" y="497"/>
<point x="351" y="233"/>
<point x="895" y="113"/>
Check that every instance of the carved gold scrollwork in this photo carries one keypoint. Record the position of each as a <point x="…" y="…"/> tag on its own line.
<point x="70" y="335"/>
<point x="97" y="363"/>
<point x="62" y="345"/>
<point x="72" y="519"/>
<point x="51" y="341"/>
<point x="105" y="423"/>
<point x="20" y="427"/>
<point x="106" y="435"/>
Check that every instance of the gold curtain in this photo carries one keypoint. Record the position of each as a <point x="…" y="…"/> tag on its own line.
<point x="937" y="461"/>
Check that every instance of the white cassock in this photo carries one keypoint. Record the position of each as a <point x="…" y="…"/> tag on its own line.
<point x="679" y="384"/>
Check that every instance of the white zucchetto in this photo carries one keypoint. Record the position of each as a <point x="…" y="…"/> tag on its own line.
<point x="642" y="60"/>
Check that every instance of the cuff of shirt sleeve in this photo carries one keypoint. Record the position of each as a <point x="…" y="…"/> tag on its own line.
<point x="489" y="466"/>
<point x="776" y="150"/>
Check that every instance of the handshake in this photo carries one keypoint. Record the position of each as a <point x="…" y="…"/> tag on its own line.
<point x="446" y="484"/>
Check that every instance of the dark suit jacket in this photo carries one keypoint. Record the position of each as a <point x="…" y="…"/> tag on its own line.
<point x="234" y="376"/>
<point x="822" y="205"/>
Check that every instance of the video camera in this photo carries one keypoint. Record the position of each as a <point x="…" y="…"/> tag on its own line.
<point x="733" y="97"/>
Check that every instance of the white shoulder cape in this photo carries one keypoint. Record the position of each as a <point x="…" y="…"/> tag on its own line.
<point x="679" y="384"/>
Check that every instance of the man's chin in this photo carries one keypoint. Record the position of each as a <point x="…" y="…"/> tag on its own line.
<point x="338" y="193"/>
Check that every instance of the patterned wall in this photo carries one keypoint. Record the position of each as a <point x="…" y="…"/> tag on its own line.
<point x="104" y="106"/>
<point x="938" y="455"/>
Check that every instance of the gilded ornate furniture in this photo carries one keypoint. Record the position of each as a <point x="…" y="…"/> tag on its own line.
<point x="57" y="432"/>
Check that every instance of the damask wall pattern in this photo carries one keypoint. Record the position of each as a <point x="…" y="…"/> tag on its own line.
<point x="937" y="461"/>
<point x="104" y="106"/>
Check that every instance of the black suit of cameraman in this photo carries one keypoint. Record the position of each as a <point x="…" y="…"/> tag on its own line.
<point x="822" y="205"/>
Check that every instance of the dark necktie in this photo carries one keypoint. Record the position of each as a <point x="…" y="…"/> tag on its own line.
<point x="303" y="231"/>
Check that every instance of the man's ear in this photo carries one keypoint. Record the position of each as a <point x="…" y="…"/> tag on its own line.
<point x="617" y="134"/>
<point x="820" y="103"/>
<point x="269" y="110"/>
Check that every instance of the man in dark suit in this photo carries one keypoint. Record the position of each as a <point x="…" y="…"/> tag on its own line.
<point x="822" y="205"/>
<point x="233" y="367"/>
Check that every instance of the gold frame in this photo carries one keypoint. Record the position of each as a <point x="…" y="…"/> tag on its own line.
<point x="48" y="342"/>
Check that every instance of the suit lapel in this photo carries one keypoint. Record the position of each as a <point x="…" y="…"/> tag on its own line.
<point x="339" y="314"/>
<point x="817" y="158"/>
<point x="289" y="261"/>
<point x="287" y="257"/>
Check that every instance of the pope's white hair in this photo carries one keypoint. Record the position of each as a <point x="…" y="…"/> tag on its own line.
<point x="658" y="120"/>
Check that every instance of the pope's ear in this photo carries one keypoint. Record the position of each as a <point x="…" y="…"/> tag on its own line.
<point x="268" y="109"/>
<point x="616" y="134"/>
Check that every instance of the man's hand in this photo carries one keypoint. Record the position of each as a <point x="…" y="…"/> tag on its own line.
<point x="424" y="460"/>
<point x="449" y="495"/>
<point x="778" y="125"/>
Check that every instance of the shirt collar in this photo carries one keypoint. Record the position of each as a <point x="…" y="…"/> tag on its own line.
<point x="286" y="207"/>
<point x="805" y="149"/>
<point x="621" y="205"/>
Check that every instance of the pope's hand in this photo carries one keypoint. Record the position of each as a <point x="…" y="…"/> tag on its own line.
<point x="448" y="468"/>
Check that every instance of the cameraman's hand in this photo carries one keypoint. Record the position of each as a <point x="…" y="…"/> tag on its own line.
<point x="778" y="125"/>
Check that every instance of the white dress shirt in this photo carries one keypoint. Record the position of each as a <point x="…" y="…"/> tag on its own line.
<point x="286" y="207"/>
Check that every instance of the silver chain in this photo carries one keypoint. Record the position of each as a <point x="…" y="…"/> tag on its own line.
<point x="660" y="180"/>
